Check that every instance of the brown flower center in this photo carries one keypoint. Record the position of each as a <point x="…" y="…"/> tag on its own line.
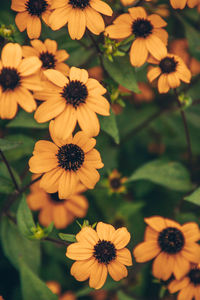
<point x="79" y="3"/>
<point x="55" y="199"/>
<point x="48" y="60"/>
<point x="104" y="251"/>
<point x="115" y="183"/>
<point x="9" y="79"/>
<point x="75" y="93"/>
<point x="36" y="7"/>
<point x="171" y="240"/>
<point x="70" y="157"/>
<point x="194" y="276"/>
<point x="168" y="65"/>
<point x="142" y="28"/>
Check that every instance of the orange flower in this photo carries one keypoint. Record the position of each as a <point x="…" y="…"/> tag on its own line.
<point x="150" y="37"/>
<point x="100" y="252"/>
<point x="189" y="286"/>
<point x="72" y="99"/>
<point x="54" y="286"/>
<point x="52" y="209"/>
<point x="48" y="54"/>
<point x="171" y="71"/>
<point x="146" y="95"/>
<point x="116" y="182"/>
<point x="68" y="296"/>
<point x="173" y="246"/>
<point x="96" y="73"/>
<point x="29" y="14"/>
<point x="182" y="3"/>
<point x="17" y="77"/>
<point x="79" y="15"/>
<point x="65" y="163"/>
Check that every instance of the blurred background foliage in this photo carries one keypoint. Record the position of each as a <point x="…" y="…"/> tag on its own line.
<point x="144" y="141"/>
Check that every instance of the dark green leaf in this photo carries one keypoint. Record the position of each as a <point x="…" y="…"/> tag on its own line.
<point x="24" y="218"/>
<point x="32" y="286"/>
<point x="68" y="237"/>
<point x="194" y="197"/>
<point x="17" y="247"/>
<point x="122" y="296"/>
<point x="7" y="145"/>
<point x="122" y="72"/>
<point x="172" y="175"/>
<point x="109" y="125"/>
<point x="26" y="120"/>
<point x="6" y="184"/>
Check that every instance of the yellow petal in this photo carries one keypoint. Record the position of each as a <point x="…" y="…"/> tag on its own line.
<point x="124" y="257"/>
<point x="34" y="27"/>
<point x="11" y="55"/>
<point x="120" y="238"/>
<point x="76" y="24"/>
<point x="138" y="52"/>
<point x="50" y="180"/>
<point x="79" y="251"/>
<point x="146" y="251"/>
<point x="101" y="7"/>
<point x="117" y="271"/>
<point x="105" y="231"/>
<point x="29" y="66"/>
<point x="98" y="275"/>
<point x="94" y="21"/>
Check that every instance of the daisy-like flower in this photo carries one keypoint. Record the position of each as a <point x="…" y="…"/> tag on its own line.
<point x="79" y="14"/>
<point x="99" y="252"/>
<point x="171" y="71"/>
<point x="116" y="182"/>
<point x="17" y="77"/>
<point x="189" y="286"/>
<point x="53" y="209"/>
<point x="50" y="56"/>
<point x="173" y="246"/>
<point x="71" y="99"/>
<point x="182" y="3"/>
<point x="149" y="35"/>
<point x="29" y="14"/>
<point x="65" y="163"/>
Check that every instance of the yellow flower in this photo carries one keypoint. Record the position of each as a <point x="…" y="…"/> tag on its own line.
<point x="29" y="14"/>
<point x="49" y="55"/>
<point x="100" y="252"/>
<point x="189" y="286"/>
<point x="79" y="15"/>
<point x="17" y="77"/>
<point x="173" y="246"/>
<point x="150" y="37"/>
<point x="65" y="163"/>
<point x="116" y="182"/>
<point x="72" y="99"/>
<point x="182" y="3"/>
<point x="171" y="71"/>
<point x="53" y="209"/>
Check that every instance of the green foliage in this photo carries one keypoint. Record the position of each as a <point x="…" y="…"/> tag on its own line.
<point x="26" y="120"/>
<point x="67" y="237"/>
<point x="7" y="145"/>
<point x="194" y="197"/>
<point x="109" y="125"/>
<point x="6" y="184"/>
<point x="25" y="220"/>
<point x="172" y="175"/>
<point x="122" y="296"/>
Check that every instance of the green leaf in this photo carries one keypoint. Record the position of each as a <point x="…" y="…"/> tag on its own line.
<point x="172" y="175"/>
<point x="68" y="237"/>
<point x="194" y="197"/>
<point x="24" y="218"/>
<point x="128" y="209"/>
<point x="17" y="247"/>
<point x="7" y="145"/>
<point x="32" y="286"/>
<point x="122" y="296"/>
<point x="6" y="184"/>
<point x="122" y="72"/>
<point x="26" y="120"/>
<point x="109" y="125"/>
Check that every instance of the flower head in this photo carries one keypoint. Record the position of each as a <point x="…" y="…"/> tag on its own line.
<point x="29" y="15"/>
<point x="72" y="99"/>
<point x="116" y="182"/>
<point x="188" y="286"/>
<point x="53" y="209"/>
<point x="17" y="77"/>
<point x="150" y="37"/>
<point x="49" y="55"/>
<point x="65" y="163"/>
<point x="100" y="252"/>
<point x="173" y="246"/>
<point x="79" y="15"/>
<point x="171" y="71"/>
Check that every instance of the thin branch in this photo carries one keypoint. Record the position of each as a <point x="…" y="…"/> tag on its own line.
<point x="187" y="135"/>
<point x="10" y="171"/>
<point x="23" y="189"/>
<point x="55" y="241"/>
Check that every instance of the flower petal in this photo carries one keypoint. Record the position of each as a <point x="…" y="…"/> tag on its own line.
<point x="88" y="176"/>
<point x="124" y="257"/>
<point x="11" y="55"/>
<point x="76" y="24"/>
<point x="94" y="21"/>
<point x="98" y="275"/>
<point x="138" y="52"/>
<point x="105" y="231"/>
<point x="163" y="266"/>
<point x="163" y="85"/>
<point x="42" y="163"/>
<point x="56" y="77"/>
<point x="153" y="73"/>
<point x="117" y="271"/>
<point x="81" y="269"/>
<point x="156" y="222"/>
<point x="87" y="235"/>
<point x="21" y="20"/>
<point x="29" y="66"/>
<point x="177" y="285"/>
<point x="157" y="21"/>
<point x="8" y="105"/>
<point x="146" y="251"/>
<point x="120" y="238"/>
<point x="191" y="252"/>
<point x="79" y="251"/>
<point x="67" y="184"/>
<point x="156" y="47"/>
<point x="181" y="266"/>
<point x="84" y="142"/>
<point x="49" y="110"/>
<point x="50" y="180"/>
<point x="101" y="7"/>
<point x="191" y="232"/>
<point x="25" y="99"/>
<point x="99" y="104"/>
<point x="34" y="27"/>
<point x="88" y="120"/>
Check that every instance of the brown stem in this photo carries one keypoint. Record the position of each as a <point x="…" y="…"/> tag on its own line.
<point x="55" y="241"/>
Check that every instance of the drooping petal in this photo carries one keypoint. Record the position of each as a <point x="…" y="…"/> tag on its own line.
<point x="181" y="266"/>
<point x="94" y="21"/>
<point x="191" y="232"/>
<point x="34" y="27"/>
<point x="49" y="110"/>
<point x="98" y="275"/>
<point x="146" y="251"/>
<point x="88" y="120"/>
<point x="21" y="20"/>
<point x="67" y="184"/>
<point x="8" y="105"/>
<point x="81" y="269"/>
<point x="117" y="270"/>
<point x="88" y="176"/>
<point x="173" y="80"/>
<point x="120" y="238"/>
<point x="124" y="257"/>
<point x="11" y="55"/>
<point x="60" y="216"/>
<point x="153" y="73"/>
<point x="156" y="47"/>
<point x="178" y="4"/>
<point x="163" y="266"/>
<point x="138" y="52"/>
<point x="59" y="17"/>
<point x="76" y="24"/>
<point x="50" y="180"/>
<point x="25" y="99"/>
<point x="163" y="85"/>
<point x="101" y="7"/>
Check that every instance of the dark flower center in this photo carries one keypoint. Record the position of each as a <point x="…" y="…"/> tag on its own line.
<point x="115" y="183"/>
<point x="104" y="251"/>
<point x="48" y="60"/>
<point x="171" y="240"/>
<point x="9" y="79"/>
<point x="36" y="7"/>
<point x="75" y="93"/>
<point x="70" y="157"/>
<point x="194" y="276"/>
<point x="168" y="65"/>
<point x="54" y="198"/>
<point x="142" y="28"/>
<point x="79" y="3"/>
